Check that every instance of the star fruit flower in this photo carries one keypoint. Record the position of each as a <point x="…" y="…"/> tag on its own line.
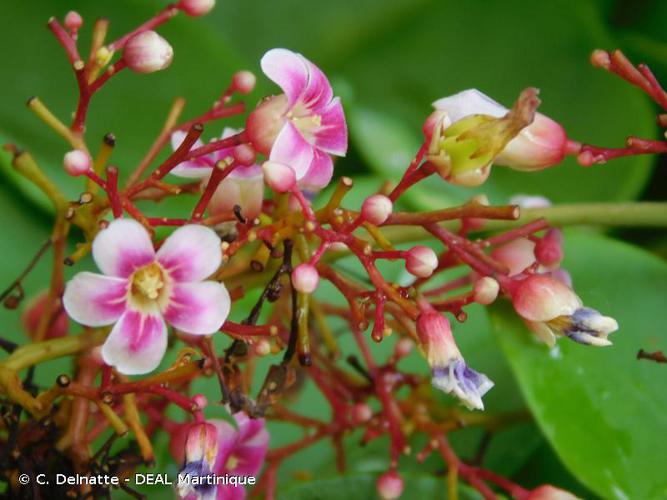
<point x="140" y="289"/>
<point x="303" y="126"/>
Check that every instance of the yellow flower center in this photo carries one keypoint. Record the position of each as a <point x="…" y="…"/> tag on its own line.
<point x="232" y="462"/>
<point x="147" y="282"/>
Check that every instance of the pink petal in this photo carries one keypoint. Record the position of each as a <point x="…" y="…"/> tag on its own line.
<point x="331" y="136"/>
<point x="95" y="300"/>
<point x="253" y="441"/>
<point x="318" y="92"/>
<point x="122" y="247"/>
<point x="320" y="172"/>
<point x="291" y="148"/>
<point x="198" y="308"/>
<point x="288" y="70"/>
<point x="191" y="253"/>
<point x="199" y="168"/>
<point x="246" y="192"/>
<point x="227" y="439"/>
<point x="136" y="344"/>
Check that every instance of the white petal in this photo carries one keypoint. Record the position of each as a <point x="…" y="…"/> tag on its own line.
<point x="469" y="102"/>
<point x="95" y="300"/>
<point x="122" y="247"/>
<point x="198" y="308"/>
<point x="191" y="253"/>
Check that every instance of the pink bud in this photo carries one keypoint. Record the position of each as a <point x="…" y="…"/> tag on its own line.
<point x="548" y="492"/>
<point x="262" y="347"/>
<point x="244" y="154"/>
<point x="278" y="176"/>
<point x="244" y="82"/>
<point x="435" y="337"/>
<point x="549" y="248"/>
<point x="361" y="413"/>
<point x="486" y="290"/>
<point x="543" y="298"/>
<point x="404" y="347"/>
<point x="376" y="209"/>
<point x="196" y="7"/>
<point x="516" y="255"/>
<point x="33" y="313"/>
<point x="73" y="20"/>
<point x="200" y="400"/>
<point x="77" y="162"/>
<point x="148" y="52"/>
<point x="421" y="261"/>
<point x="600" y="59"/>
<point x="390" y="485"/>
<point x="305" y="278"/>
<point x="266" y="121"/>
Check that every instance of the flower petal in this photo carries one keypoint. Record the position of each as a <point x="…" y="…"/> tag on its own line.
<point x="253" y="441"/>
<point x="320" y="172"/>
<point x="199" y="168"/>
<point x="331" y="136"/>
<point x="191" y="253"/>
<point x="318" y="92"/>
<point x="198" y="308"/>
<point x="94" y="299"/>
<point x="291" y="148"/>
<point x="122" y="247"/>
<point x="469" y="102"/>
<point x="288" y="70"/>
<point x="136" y="344"/>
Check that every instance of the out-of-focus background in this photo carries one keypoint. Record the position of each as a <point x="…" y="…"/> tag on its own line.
<point x="596" y="417"/>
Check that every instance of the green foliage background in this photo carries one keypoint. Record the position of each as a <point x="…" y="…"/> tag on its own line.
<point x="599" y="415"/>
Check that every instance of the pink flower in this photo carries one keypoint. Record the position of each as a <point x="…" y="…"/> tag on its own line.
<point x="244" y="186"/>
<point x="236" y="452"/>
<point x="141" y="289"/>
<point x="303" y="126"/>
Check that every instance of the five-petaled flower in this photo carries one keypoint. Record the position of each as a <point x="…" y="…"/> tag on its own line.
<point x="140" y="289"/>
<point x="244" y="186"/>
<point x="216" y="448"/>
<point x="302" y="127"/>
<point x="449" y="370"/>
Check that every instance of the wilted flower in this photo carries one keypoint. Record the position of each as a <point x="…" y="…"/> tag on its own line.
<point x="552" y="308"/>
<point x="220" y="449"/>
<point x="303" y="126"/>
<point x="517" y="138"/>
<point x="140" y="289"/>
<point x="449" y="370"/>
<point x="244" y="186"/>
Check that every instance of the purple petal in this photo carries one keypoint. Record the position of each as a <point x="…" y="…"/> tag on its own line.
<point x="291" y="148"/>
<point x="94" y="299"/>
<point x="288" y="70"/>
<point x="198" y="308"/>
<point x="331" y="136"/>
<point x="122" y="247"/>
<point x="319" y="174"/>
<point x="191" y="253"/>
<point x="227" y="439"/>
<point x="136" y="344"/>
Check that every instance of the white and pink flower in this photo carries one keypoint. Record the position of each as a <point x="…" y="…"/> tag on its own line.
<point x="215" y="447"/>
<point x="302" y="127"/>
<point x="140" y="289"/>
<point x="244" y="186"/>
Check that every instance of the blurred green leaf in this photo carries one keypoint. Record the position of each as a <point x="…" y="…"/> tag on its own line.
<point x="601" y="409"/>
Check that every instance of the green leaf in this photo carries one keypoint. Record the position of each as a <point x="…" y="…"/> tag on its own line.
<point x="362" y="486"/>
<point x="600" y="408"/>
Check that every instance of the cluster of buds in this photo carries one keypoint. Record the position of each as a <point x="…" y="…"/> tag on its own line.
<point x="256" y="232"/>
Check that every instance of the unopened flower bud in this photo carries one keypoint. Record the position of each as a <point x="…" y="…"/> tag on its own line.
<point x="390" y="485"/>
<point x="33" y="313"/>
<point x="361" y="413"/>
<point x="549" y="248"/>
<point x="376" y="209"/>
<point x="548" y="492"/>
<point x="434" y="124"/>
<point x="147" y="52"/>
<point x="73" y="21"/>
<point x="196" y="7"/>
<point x="486" y="290"/>
<point x="262" y="347"/>
<point x="600" y="59"/>
<point x="516" y="256"/>
<point x="421" y="261"/>
<point x="404" y="347"/>
<point x="305" y="278"/>
<point x="244" y="82"/>
<point x="244" y="154"/>
<point x="200" y="400"/>
<point x="280" y="177"/>
<point x="265" y="122"/>
<point x="77" y="162"/>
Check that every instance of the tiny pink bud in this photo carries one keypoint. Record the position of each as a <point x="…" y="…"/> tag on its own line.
<point x="196" y="7"/>
<point x="280" y="177"/>
<point x="305" y="278"/>
<point x="73" y="20"/>
<point x="76" y="162"/>
<point x="549" y="248"/>
<point x="244" y="154"/>
<point x="421" y="261"/>
<point x="361" y="413"/>
<point x="262" y="347"/>
<point x="390" y="485"/>
<point x="486" y="290"/>
<point x="148" y="52"/>
<point x="200" y="400"/>
<point x="404" y="347"/>
<point x="33" y="313"/>
<point x="244" y="82"/>
<point x="548" y="492"/>
<point x="376" y="209"/>
<point x="516" y="255"/>
<point x="600" y="59"/>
